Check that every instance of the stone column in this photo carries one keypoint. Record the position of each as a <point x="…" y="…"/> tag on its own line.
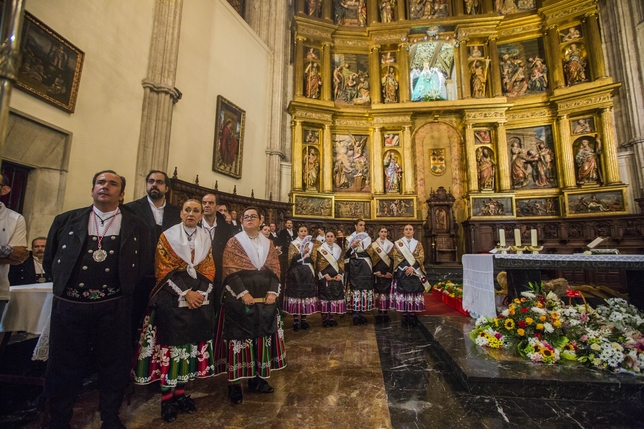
<point x="327" y="72"/>
<point x="298" y="66"/>
<point x="470" y="158"/>
<point x="555" y="66"/>
<point x="373" y="12"/>
<point x="592" y="33"/>
<point x="503" y="158"/>
<point x="327" y="160"/>
<point x="374" y="74"/>
<point x="402" y="12"/>
<point x="609" y="148"/>
<point x="494" y="72"/>
<point x="403" y="68"/>
<point x="296" y="126"/>
<point x="564" y="153"/>
<point x="378" y="180"/>
<point x="463" y="64"/>
<point x="159" y="93"/>
<point x="327" y="9"/>
<point x="408" y="158"/>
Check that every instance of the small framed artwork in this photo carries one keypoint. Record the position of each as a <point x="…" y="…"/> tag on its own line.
<point x="313" y="206"/>
<point x="229" y="138"/>
<point x="51" y="66"/>
<point x="392" y="140"/>
<point x="482" y="137"/>
<point x="352" y="209"/>
<point x="582" y="126"/>
<point x="594" y="203"/>
<point x="492" y="207"/>
<point x="311" y="136"/>
<point x="398" y="208"/>
<point x="538" y="207"/>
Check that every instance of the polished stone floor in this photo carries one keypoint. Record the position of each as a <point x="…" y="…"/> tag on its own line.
<point x="381" y="376"/>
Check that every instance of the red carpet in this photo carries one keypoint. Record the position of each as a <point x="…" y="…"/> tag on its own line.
<point x="434" y="307"/>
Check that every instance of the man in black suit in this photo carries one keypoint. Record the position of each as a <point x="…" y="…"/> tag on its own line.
<point x="273" y="234"/>
<point x="97" y="257"/>
<point x="31" y="271"/>
<point x="214" y="223"/>
<point x="159" y="215"/>
<point x="283" y="242"/>
<point x="235" y="222"/>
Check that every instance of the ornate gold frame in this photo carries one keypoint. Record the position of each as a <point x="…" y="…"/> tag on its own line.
<point x="391" y="197"/>
<point x="313" y="214"/>
<point x="511" y="215"/>
<point x="595" y="190"/>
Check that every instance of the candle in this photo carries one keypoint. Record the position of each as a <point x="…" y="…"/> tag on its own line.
<point x="517" y="237"/>
<point x="533" y="237"/>
<point x="502" y="237"/>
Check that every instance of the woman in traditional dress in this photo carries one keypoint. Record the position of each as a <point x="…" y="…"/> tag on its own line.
<point x="176" y="341"/>
<point x="360" y="276"/>
<point x="408" y="287"/>
<point x="300" y="291"/>
<point x="380" y="252"/>
<point x="329" y="268"/>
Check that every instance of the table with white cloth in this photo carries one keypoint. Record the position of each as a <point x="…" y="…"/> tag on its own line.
<point x="478" y="285"/>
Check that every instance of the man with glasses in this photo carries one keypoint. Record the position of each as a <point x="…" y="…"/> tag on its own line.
<point x="159" y="214"/>
<point x="13" y="243"/>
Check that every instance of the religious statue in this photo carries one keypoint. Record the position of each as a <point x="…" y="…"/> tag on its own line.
<point x="475" y="52"/>
<point x="505" y="7"/>
<point x="363" y="95"/>
<point x="441" y="218"/>
<point x="362" y="13"/>
<point x="538" y="81"/>
<point x="390" y="86"/>
<point x="313" y="81"/>
<point x="341" y="8"/>
<point x="386" y="10"/>
<point x="513" y="76"/>
<point x="574" y="65"/>
<point x="582" y="126"/>
<point x="387" y="58"/>
<point x="312" y="137"/>
<point x="472" y="7"/>
<point x="430" y="84"/>
<point x="519" y="172"/>
<point x="572" y="34"/>
<point x="393" y="173"/>
<point x="543" y="167"/>
<point x="587" y="162"/>
<point x="478" y="79"/>
<point x="313" y="8"/>
<point x="486" y="167"/>
<point x="310" y="170"/>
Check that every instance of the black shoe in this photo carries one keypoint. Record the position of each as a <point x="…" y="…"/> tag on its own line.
<point x="296" y="326"/>
<point x="356" y="321"/>
<point x="378" y="319"/>
<point x="405" y="321"/>
<point x="114" y="424"/>
<point x="413" y="320"/>
<point x="259" y="385"/>
<point x="385" y="319"/>
<point x="186" y="404"/>
<point x="169" y="411"/>
<point x="363" y="320"/>
<point x="325" y="324"/>
<point x="235" y="393"/>
<point x="332" y="322"/>
<point x="305" y="326"/>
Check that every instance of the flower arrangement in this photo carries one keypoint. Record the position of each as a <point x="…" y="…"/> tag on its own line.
<point x="543" y="329"/>
<point x="454" y="290"/>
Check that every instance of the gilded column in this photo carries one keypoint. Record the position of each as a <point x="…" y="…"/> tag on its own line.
<point x="327" y="161"/>
<point x="408" y="159"/>
<point x="296" y="126"/>
<point x="609" y="147"/>
<point x="495" y="68"/>
<point x="327" y="71"/>
<point x="372" y="11"/>
<point x="555" y="66"/>
<point x="298" y="66"/>
<point x="159" y="92"/>
<point x="327" y="9"/>
<point x="459" y="10"/>
<point x="487" y="6"/>
<point x="597" y="55"/>
<point x="403" y="67"/>
<point x="299" y="6"/>
<point x="378" y="180"/>
<point x="462" y="63"/>
<point x="374" y="73"/>
<point x="502" y="158"/>
<point x="472" y="175"/>
<point x="566" y="161"/>
<point x="401" y="11"/>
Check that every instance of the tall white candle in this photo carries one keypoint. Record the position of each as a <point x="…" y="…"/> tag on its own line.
<point x="502" y="237"/>
<point x="533" y="237"/>
<point x="517" y="237"/>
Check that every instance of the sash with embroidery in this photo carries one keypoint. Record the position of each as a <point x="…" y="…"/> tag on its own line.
<point x="329" y="258"/>
<point x="381" y="253"/>
<point x="418" y="272"/>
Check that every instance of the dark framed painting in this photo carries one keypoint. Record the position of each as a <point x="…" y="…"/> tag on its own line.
<point x="542" y="207"/>
<point x="312" y="206"/>
<point x="395" y="207"/>
<point x="352" y="209"/>
<point x="593" y="203"/>
<point x="229" y="138"/>
<point x="493" y="207"/>
<point x="51" y="66"/>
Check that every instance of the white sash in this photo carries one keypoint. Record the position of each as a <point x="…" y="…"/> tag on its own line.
<point x="381" y="253"/>
<point x="258" y="260"/>
<point x="329" y="256"/>
<point x="418" y="272"/>
<point x="178" y="240"/>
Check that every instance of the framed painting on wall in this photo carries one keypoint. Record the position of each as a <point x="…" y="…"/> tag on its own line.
<point x="598" y="202"/>
<point x="541" y="207"/>
<point x="492" y="207"/>
<point x="312" y="206"/>
<point x="229" y="138"/>
<point x="399" y="208"/>
<point x="352" y="209"/>
<point x="51" y="66"/>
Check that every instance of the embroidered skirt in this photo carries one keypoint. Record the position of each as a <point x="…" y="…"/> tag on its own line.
<point x="413" y="302"/>
<point x="359" y="300"/>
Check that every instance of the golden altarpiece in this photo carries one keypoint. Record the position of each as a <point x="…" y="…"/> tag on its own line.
<point x="505" y="103"/>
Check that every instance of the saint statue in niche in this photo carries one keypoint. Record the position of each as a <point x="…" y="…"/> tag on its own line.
<point x="587" y="162"/>
<point x="472" y="7"/>
<point x="313" y="81"/>
<point x="575" y="65"/>
<point x="386" y="10"/>
<point x="572" y="34"/>
<point x="311" y="169"/>
<point x="486" y="167"/>
<point x="441" y="218"/>
<point x="390" y="86"/>
<point x="313" y="8"/>
<point x="479" y="78"/>
<point x="543" y="167"/>
<point x="430" y="84"/>
<point x="393" y="172"/>
<point x="538" y="81"/>
<point x="583" y="126"/>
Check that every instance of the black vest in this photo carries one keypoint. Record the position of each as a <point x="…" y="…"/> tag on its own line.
<point x="96" y="281"/>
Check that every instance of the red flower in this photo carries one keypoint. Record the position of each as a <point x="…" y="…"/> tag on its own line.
<point x="500" y="316"/>
<point x="524" y="310"/>
<point x="521" y="324"/>
<point x="538" y="335"/>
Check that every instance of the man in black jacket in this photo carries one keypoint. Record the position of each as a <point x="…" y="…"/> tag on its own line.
<point x="159" y="215"/>
<point x="31" y="271"/>
<point x="97" y="256"/>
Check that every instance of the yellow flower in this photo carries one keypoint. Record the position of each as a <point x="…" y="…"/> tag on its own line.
<point x="511" y="312"/>
<point x="520" y="332"/>
<point x="539" y="304"/>
<point x="511" y="307"/>
<point x="557" y="323"/>
<point x="496" y="321"/>
<point x="554" y="315"/>
<point x="509" y="324"/>
<point x="546" y="352"/>
<point x="517" y="301"/>
<point x="529" y="320"/>
<point x="542" y="318"/>
<point x="539" y="326"/>
<point x="569" y="347"/>
<point x="482" y="334"/>
<point x="523" y="300"/>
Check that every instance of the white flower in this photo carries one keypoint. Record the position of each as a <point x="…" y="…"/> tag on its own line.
<point x="548" y="327"/>
<point x="505" y="312"/>
<point x="481" y="321"/>
<point x="528" y="295"/>
<point x="552" y="296"/>
<point x="538" y="310"/>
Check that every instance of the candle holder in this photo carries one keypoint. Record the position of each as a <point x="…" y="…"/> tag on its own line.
<point x="503" y="250"/>
<point x="535" y="249"/>
<point x="519" y="249"/>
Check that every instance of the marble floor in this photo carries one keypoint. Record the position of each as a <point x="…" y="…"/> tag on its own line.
<point x="374" y="376"/>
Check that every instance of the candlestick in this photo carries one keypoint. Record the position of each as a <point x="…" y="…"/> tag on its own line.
<point x="519" y="249"/>
<point x="517" y="237"/>
<point x="502" y="237"/>
<point x="533" y="237"/>
<point x="535" y="249"/>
